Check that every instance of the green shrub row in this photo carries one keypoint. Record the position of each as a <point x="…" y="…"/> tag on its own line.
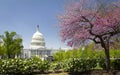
<point x="75" y="65"/>
<point x="30" y="66"/>
<point x="115" y="63"/>
<point x="80" y="65"/>
<point x="22" y="66"/>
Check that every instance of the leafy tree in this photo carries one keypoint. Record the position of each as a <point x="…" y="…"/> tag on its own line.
<point x="85" y="20"/>
<point x="2" y="51"/>
<point x="12" y="44"/>
<point x="58" y="56"/>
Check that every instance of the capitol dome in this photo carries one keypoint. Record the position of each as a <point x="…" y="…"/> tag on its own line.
<point x="38" y="41"/>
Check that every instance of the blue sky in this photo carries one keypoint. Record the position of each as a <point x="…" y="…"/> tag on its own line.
<point x="22" y="16"/>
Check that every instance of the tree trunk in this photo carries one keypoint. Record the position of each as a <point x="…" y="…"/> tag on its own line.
<point x="107" y="59"/>
<point x="107" y="56"/>
<point x="8" y="55"/>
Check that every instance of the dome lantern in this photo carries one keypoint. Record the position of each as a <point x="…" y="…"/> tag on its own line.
<point x="38" y="28"/>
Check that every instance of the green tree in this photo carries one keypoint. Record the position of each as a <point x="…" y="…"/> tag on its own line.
<point x="12" y="43"/>
<point x="2" y="51"/>
<point x="59" y="55"/>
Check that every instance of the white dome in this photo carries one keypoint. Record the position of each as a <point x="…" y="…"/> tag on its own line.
<point x="37" y="40"/>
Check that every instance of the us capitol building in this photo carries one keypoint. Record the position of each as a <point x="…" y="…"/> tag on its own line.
<point x="37" y="46"/>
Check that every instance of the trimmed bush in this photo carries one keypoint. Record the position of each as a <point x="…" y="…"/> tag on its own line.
<point x="43" y="66"/>
<point x="23" y="66"/>
<point x="78" y="65"/>
<point x="56" y="66"/>
<point x="101" y="62"/>
<point x="116" y="64"/>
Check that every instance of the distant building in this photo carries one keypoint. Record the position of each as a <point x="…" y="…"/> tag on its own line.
<point x="37" y="47"/>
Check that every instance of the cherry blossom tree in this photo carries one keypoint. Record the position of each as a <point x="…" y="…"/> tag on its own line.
<point x="84" y="20"/>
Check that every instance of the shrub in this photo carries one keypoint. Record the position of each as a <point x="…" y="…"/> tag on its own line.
<point x="101" y="62"/>
<point x="56" y="66"/>
<point x="116" y="64"/>
<point x="43" y="66"/>
<point x="22" y="66"/>
<point x="77" y="65"/>
<point x="15" y="66"/>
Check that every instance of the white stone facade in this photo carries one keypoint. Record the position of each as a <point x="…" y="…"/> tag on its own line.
<point x="37" y="47"/>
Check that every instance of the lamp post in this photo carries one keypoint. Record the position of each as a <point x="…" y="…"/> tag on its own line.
<point x="83" y="48"/>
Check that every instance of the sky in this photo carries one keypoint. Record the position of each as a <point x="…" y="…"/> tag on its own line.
<point x="22" y="16"/>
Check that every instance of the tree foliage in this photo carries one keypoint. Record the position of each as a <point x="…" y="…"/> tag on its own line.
<point x="12" y="44"/>
<point x="2" y="51"/>
<point x="85" y="20"/>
